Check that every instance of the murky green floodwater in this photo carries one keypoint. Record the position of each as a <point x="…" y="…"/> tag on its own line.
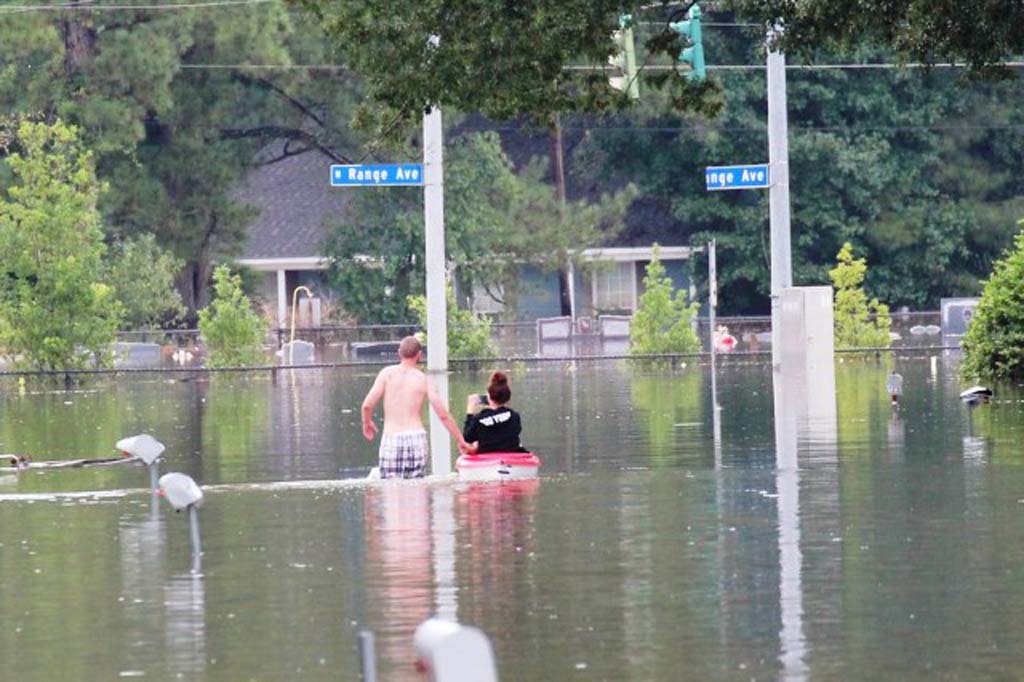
<point x="895" y="552"/>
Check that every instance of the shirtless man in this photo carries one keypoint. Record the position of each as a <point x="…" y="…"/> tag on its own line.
<point x="403" y="447"/>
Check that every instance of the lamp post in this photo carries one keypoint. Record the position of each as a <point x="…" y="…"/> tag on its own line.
<point x="291" y="338"/>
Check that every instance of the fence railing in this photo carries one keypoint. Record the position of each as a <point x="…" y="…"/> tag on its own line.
<point x="606" y="336"/>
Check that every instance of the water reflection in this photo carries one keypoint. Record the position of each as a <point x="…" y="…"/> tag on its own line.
<point x="175" y="607"/>
<point x="398" y="565"/>
<point x="185" y="632"/>
<point x="896" y="433"/>
<point x="143" y="556"/>
<point x="446" y="591"/>
<point x="804" y="412"/>
<point x="892" y="555"/>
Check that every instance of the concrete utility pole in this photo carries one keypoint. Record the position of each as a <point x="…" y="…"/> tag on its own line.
<point x="778" y="194"/>
<point x="778" y="214"/>
<point x="437" y="313"/>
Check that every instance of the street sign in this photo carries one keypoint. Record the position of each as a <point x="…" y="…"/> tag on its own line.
<point x="736" y="177"/>
<point x="377" y="175"/>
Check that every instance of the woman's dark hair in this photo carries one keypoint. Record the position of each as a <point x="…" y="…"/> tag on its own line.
<point x="498" y="389"/>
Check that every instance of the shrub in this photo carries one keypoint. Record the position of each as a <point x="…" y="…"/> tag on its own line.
<point x="663" y="323"/>
<point x="55" y="313"/>
<point x="143" y="275"/>
<point x="232" y="330"/>
<point x="469" y="334"/>
<point x="854" y="327"/>
<point x="994" y="343"/>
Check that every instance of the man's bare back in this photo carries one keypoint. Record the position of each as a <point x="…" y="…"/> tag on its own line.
<point x="403" y="387"/>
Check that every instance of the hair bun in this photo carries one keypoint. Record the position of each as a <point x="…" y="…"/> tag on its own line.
<point x="498" y="379"/>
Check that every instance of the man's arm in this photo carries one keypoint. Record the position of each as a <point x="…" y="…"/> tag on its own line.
<point x="370" y="403"/>
<point x="442" y="413"/>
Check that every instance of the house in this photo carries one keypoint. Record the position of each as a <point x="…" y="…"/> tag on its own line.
<point x="608" y="280"/>
<point x="295" y="205"/>
<point x="284" y="246"/>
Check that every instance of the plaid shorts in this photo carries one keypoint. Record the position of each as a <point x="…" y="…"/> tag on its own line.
<point x="403" y="455"/>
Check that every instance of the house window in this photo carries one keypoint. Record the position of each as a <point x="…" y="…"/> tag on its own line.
<point x="615" y="287"/>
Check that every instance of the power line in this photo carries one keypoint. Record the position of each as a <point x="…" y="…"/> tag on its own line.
<point x="797" y="67"/>
<point x="762" y="129"/>
<point x="653" y="68"/>
<point x="280" y="67"/>
<point x="15" y="9"/>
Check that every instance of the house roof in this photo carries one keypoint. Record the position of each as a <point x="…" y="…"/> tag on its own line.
<point x="295" y="205"/>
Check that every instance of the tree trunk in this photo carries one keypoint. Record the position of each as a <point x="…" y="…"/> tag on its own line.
<point x="558" y="172"/>
<point x="79" y="38"/>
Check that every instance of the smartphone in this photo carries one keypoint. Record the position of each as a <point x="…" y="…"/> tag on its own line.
<point x="482" y="398"/>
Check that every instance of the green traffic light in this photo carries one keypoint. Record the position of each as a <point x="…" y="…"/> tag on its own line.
<point x="693" y="55"/>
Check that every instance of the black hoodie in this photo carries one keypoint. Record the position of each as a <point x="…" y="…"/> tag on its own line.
<point x="497" y="430"/>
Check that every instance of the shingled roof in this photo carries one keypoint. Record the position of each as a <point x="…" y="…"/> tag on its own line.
<point x="295" y="205"/>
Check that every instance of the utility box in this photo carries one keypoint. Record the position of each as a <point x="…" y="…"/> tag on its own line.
<point x="807" y="353"/>
<point x="957" y="314"/>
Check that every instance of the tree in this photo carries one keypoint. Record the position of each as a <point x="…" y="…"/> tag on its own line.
<point x="172" y="136"/>
<point x="55" y="313"/>
<point x="414" y="54"/>
<point x="496" y="220"/>
<point x="143" y="275"/>
<point x="922" y="176"/>
<point x="469" y="334"/>
<point x="859" y="323"/>
<point x="994" y="343"/>
<point x="980" y="34"/>
<point x="232" y="330"/>
<point x="662" y="323"/>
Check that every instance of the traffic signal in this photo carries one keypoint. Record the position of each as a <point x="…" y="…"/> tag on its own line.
<point x="624" y="59"/>
<point x="694" y="54"/>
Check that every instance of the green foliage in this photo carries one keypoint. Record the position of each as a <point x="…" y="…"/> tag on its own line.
<point x="55" y="313"/>
<point x="994" y="343"/>
<point x="854" y="326"/>
<point x="173" y="143"/>
<point x="469" y="334"/>
<point x="501" y="59"/>
<point x="918" y="30"/>
<point x="496" y="220"/>
<point x="662" y="323"/>
<point x="143" y="275"/>
<point x="924" y="175"/>
<point x="232" y="330"/>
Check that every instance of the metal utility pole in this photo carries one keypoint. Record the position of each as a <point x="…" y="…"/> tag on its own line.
<point x="437" y="313"/>
<point x="712" y="305"/>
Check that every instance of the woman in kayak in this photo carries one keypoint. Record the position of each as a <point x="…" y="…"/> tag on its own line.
<point x="491" y="425"/>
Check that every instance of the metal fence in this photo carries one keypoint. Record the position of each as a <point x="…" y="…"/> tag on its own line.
<point x="606" y="336"/>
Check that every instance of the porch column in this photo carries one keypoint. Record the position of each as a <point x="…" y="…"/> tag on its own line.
<point x="572" y="292"/>
<point x="282" y="300"/>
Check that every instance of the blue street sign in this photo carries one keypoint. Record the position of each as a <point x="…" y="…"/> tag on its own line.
<point x="736" y="177"/>
<point x="377" y="175"/>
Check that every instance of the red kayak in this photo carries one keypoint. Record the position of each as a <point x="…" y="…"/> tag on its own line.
<point x="495" y="466"/>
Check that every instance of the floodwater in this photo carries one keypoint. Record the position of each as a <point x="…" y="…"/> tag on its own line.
<point x="644" y="552"/>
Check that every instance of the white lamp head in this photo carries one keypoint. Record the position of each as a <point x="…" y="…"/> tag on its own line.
<point x="450" y="652"/>
<point x="143" y="446"/>
<point x="181" y="491"/>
